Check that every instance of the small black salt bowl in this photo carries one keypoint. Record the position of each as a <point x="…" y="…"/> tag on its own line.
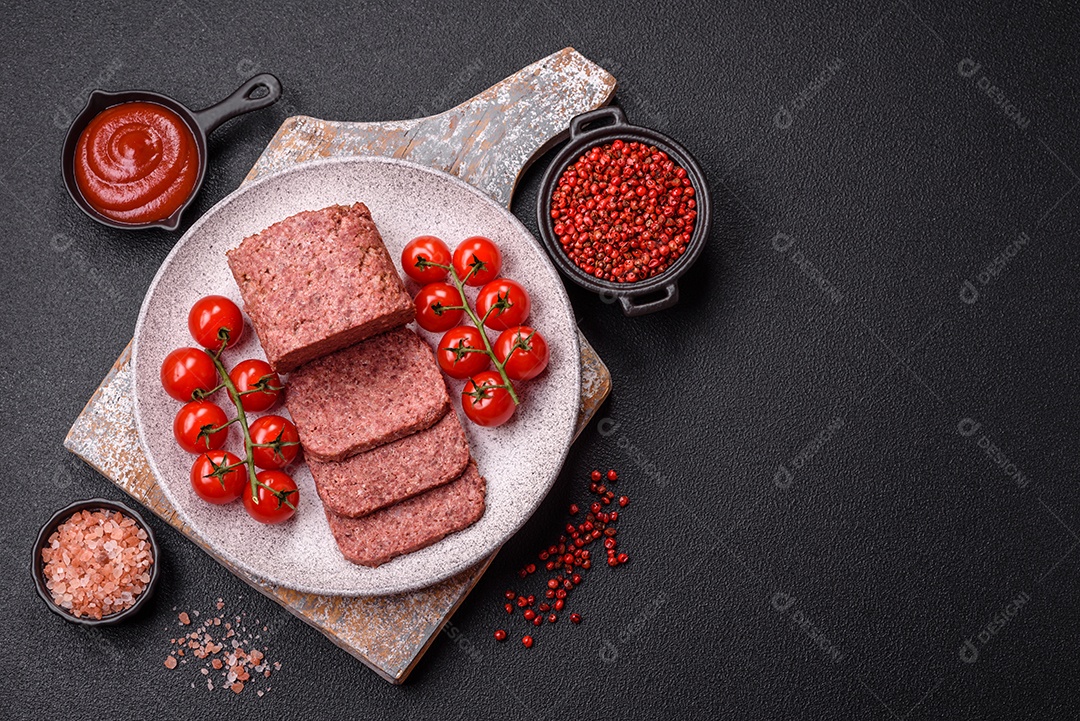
<point x="645" y="296"/>
<point x="38" y="565"/>
<point x="201" y="123"/>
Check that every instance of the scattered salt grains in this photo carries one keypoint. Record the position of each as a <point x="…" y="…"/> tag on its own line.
<point x="237" y="665"/>
<point x="87" y="580"/>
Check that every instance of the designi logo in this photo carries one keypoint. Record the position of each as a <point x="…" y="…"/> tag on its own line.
<point x="782" y="601"/>
<point x="969" y="291"/>
<point x="968" y="427"/>
<point x="969" y="653"/>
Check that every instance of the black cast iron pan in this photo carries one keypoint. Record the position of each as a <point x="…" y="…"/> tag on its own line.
<point x="201" y="123"/>
<point x="651" y="294"/>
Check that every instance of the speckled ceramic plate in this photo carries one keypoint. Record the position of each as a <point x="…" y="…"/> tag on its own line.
<point x="520" y="460"/>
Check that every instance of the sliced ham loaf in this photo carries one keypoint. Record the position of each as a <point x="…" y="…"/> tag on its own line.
<point x="316" y="282"/>
<point x="393" y="472"/>
<point x="413" y="524"/>
<point x="366" y="395"/>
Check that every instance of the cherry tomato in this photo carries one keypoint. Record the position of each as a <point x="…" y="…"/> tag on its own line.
<point x="431" y="302"/>
<point x="259" y="386"/>
<point x="281" y="433"/>
<point x="481" y="253"/>
<point x="214" y="481"/>
<point x="193" y="425"/>
<point x="485" y="401"/>
<point x="510" y="301"/>
<point x="527" y="351"/>
<point x="425" y="248"/>
<point x="214" y="320"/>
<point x="187" y="370"/>
<point x="275" y="504"/>
<point x="455" y="361"/>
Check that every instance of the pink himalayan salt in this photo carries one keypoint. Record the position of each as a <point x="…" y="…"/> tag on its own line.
<point x="238" y="667"/>
<point x="97" y="563"/>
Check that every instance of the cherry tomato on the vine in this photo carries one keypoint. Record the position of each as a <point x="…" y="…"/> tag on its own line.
<point x="187" y="370"/>
<point x="508" y="302"/>
<point x="425" y="248"/>
<point x="455" y="360"/>
<point x="257" y="383"/>
<point x="194" y="427"/>
<point x="431" y="303"/>
<point x="214" y="320"/>
<point x="275" y="504"/>
<point x="215" y="480"/>
<point x="523" y="352"/>
<point x="485" y="401"/>
<point x="479" y="255"/>
<point x="284" y="440"/>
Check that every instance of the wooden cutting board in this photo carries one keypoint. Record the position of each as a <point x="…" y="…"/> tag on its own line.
<point x="487" y="141"/>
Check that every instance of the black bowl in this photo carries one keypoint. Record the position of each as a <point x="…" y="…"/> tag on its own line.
<point x="201" y="123"/>
<point x="665" y="285"/>
<point x="64" y="514"/>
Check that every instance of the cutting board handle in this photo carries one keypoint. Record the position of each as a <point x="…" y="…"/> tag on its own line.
<point x="487" y="141"/>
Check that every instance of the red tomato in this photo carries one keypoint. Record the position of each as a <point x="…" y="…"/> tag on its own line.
<point x="455" y="361"/>
<point x="431" y="302"/>
<point x="485" y="401"/>
<point x="274" y="504"/>
<point x="215" y="481"/>
<point x="523" y="353"/>
<point x="421" y="251"/>
<point x="282" y="439"/>
<point x="480" y="256"/>
<point x="187" y="370"/>
<point x="214" y="320"/>
<point x="510" y="301"/>
<point x="258" y="385"/>
<point x="194" y="427"/>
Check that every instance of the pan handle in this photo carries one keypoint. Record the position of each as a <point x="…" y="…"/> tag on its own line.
<point x="631" y="308"/>
<point x="610" y="112"/>
<point x="240" y="102"/>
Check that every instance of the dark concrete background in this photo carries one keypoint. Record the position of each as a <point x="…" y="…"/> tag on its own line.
<point x="813" y="534"/>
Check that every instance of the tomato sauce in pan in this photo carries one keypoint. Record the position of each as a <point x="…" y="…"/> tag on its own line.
<point x="136" y="162"/>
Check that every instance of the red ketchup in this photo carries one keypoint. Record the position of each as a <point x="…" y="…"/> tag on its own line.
<point x="136" y="162"/>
